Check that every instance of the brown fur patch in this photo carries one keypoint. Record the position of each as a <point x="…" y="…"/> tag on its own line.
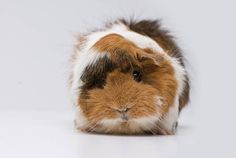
<point x="116" y="45"/>
<point x="78" y="47"/>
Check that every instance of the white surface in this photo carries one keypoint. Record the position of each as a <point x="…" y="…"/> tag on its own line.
<point x="36" y="119"/>
<point x="49" y="134"/>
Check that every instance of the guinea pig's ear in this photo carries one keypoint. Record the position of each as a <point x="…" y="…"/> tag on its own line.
<point x="154" y="59"/>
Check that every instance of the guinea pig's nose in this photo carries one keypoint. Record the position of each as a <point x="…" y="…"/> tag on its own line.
<point x="124" y="117"/>
<point x="123" y="113"/>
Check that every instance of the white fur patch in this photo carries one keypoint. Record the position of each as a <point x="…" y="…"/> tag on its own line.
<point x="110" y="123"/>
<point x="134" y="125"/>
<point x="180" y="74"/>
<point x="80" y="119"/>
<point x="170" y="118"/>
<point x="146" y="123"/>
<point x="159" y="101"/>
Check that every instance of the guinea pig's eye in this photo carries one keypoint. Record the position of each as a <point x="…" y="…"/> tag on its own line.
<point x="137" y="75"/>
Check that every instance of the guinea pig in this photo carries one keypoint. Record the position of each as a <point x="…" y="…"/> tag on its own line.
<point x="128" y="78"/>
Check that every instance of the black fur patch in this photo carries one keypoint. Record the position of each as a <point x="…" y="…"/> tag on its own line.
<point x="94" y="75"/>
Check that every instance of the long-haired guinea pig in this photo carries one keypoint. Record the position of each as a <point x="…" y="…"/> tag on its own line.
<point x="128" y="78"/>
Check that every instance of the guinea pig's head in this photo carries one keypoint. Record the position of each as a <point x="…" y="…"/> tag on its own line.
<point x="125" y="89"/>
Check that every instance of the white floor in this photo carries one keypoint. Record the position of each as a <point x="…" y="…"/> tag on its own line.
<point x="50" y="134"/>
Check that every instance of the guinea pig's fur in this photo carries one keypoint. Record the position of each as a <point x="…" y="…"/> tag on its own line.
<point x="128" y="78"/>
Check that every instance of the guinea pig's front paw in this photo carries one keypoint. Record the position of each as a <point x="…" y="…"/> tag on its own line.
<point x="79" y="127"/>
<point x="174" y="127"/>
<point x="160" y="130"/>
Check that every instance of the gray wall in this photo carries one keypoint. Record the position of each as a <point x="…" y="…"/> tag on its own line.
<point x="36" y="39"/>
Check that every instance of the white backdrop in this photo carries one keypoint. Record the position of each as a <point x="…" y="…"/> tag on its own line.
<point x="36" y="39"/>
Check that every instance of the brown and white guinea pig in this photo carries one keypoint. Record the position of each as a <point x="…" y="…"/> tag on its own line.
<point x="128" y="78"/>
